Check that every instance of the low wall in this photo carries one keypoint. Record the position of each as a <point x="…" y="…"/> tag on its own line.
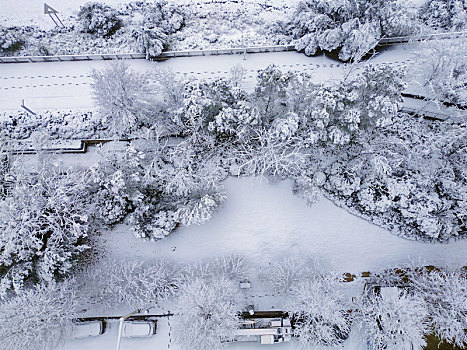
<point x="163" y="56"/>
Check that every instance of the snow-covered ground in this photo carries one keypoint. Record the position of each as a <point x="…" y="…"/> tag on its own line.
<point x="266" y="221"/>
<point x="66" y="85"/>
<point x="160" y="341"/>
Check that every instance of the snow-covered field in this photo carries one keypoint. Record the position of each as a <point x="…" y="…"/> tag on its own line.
<point x="266" y="221"/>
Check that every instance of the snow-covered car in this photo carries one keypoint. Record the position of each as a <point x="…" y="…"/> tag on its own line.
<point x="135" y="329"/>
<point x="88" y="329"/>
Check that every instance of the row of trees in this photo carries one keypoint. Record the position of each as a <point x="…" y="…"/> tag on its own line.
<point x="49" y="217"/>
<point x="354" y="27"/>
<point x="290" y="127"/>
<point x="207" y="301"/>
<point x="139" y="26"/>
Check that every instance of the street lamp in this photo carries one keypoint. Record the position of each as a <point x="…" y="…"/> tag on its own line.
<point x="120" y="326"/>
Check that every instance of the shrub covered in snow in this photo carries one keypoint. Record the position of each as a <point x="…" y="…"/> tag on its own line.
<point x="98" y="18"/>
<point x="56" y="124"/>
<point x="352" y="27"/>
<point x="407" y="176"/>
<point x="44" y="225"/>
<point x="131" y="283"/>
<point x="39" y="318"/>
<point x="10" y="40"/>
<point x="394" y="320"/>
<point x="207" y="313"/>
<point x="445" y="14"/>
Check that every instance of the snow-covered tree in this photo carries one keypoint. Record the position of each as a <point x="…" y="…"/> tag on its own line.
<point x="442" y="67"/>
<point x="123" y="96"/>
<point x="10" y="40"/>
<point x="99" y="19"/>
<point x="132" y="283"/>
<point x="231" y="267"/>
<point x="445" y="14"/>
<point x="39" y="318"/>
<point x="351" y="26"/>
<point x="271" y="92"/>
<point x="265" y="155"/>
<point x="317" y="304"/>
<point x="394" y="319"/>
<point x="445" y="292"/>
<point x="285" y="273"/>
<point x="207" y="313"/>
<point x="44" y="225"/>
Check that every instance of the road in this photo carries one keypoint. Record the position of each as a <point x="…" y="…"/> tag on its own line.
<point x="66" y="85"/>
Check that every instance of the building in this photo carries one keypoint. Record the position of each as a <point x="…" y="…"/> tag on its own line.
<point x="265" y="330"/>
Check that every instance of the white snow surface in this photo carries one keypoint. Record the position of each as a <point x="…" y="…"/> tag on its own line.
<point x="266" y="221"/>
<point x="66" y="85"/>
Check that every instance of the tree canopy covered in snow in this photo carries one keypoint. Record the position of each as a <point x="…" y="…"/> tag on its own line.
<point x="445" y="292"/>
<point x="207" y="313"/>
<point x="442" y="66"/>
<point x="445" y="14"/>
<point x="130" y="283"/>
<point x="317" y="304"/>
<point x="44" y="225"/>
<point x="40" y="318"/>
<point x="394" y="319"/>
<point x="351" y="27"/>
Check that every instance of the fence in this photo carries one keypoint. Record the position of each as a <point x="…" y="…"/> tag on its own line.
<point x="406" y="39"/>
<point x="163" y="56"/>
<point x="208" y="52"/>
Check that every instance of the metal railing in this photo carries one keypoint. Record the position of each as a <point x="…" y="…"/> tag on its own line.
<point x="164" y="55"/>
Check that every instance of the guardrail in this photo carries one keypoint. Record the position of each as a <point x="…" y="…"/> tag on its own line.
<point x="67" y="58"/>
<point x="207" y="52"/>
<point x="163" y="56"/>
<point x="405" y="39"/>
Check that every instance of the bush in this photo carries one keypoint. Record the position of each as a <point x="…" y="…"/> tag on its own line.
<point x="10" y="40"/>
<point x="99" y="19"/>
<point x="445" y="14"/>
<point x="44" y="224"/>
<point x="350" y="27"/>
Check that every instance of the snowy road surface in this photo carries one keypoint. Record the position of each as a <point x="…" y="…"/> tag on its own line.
<point x="66" y="85"/>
